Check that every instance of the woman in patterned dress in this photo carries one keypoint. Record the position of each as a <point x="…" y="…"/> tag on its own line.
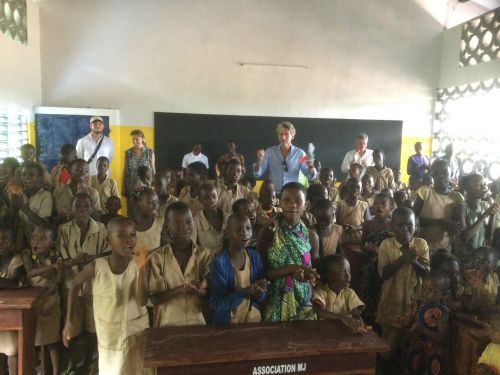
<point x="136" y="156"/>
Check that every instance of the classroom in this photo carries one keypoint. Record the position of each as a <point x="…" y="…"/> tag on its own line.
<point x="249" y="186"/>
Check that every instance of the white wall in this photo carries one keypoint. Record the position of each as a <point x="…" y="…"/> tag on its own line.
<point x="20" y="80"/>
<point x="364" y="58"/>
<point x="451" y="74"/>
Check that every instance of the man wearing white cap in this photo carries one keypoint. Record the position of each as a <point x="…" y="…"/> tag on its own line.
<point x="94" y="145"/>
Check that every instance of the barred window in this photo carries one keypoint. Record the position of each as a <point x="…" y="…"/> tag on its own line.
<point x="13" y="132"/>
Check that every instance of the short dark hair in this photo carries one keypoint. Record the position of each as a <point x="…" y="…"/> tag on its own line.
<point x="206" y="187"/>
<point x="75" y="162"/>
<point x="236" y="217"/>
<point x="67" y="149"/>
<point x="440" y="257"/>
<point x="239" y="204"/>
<point x="199" y="168"/>
<point x="176" y="207"/>
<point x="80" y="195"/>
<point x="37" y="167"/>
<point x="102" y="158"/>
<point x="331" y="260"/>
<point x="116" y="221"/>
<point x="294" y="186"/>
<point x="403" y="211"/>
<point x="440" y="279"/>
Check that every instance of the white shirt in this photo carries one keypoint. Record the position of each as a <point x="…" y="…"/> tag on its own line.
<point x="352" y="156"/>
<point x="85" y="148"/>
<point x="191" y="158"/>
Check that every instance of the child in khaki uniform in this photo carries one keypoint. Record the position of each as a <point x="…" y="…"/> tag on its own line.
<point x="160" y="184"/>
<point x="352" y="212"/>
<point x="230" y="191"/>
<point x="210" y="223"/>
<point x="119" y="284"/>
<point x="104" y="184"/>
<point x="43" y="273"/>
<point x="179" y="271"/>
<point x="266" y="207"/>
<point x="327" y="179"/>
<point x="196" y="175"/>
<point x="11" y="266"/>
<point x="402" y="263"/>
<point x="435" y="207"/>
<point x="382" y="176"/>
<point x="334" y="299"/>
<point x="148" y="222"/>
<point x="329" y="233"/>
<point x="63" y="195"/>
<point x="79" y="241"/>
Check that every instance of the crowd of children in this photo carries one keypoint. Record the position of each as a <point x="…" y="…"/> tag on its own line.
<point x="367" y="251"/>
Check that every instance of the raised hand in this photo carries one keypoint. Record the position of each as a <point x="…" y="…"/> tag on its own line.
<point x="141" y="257"/>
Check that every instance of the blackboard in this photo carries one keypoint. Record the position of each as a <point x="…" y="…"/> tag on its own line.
<point x="175" y="134"/>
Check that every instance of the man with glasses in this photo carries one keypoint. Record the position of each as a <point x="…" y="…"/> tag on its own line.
<point x="285" y="161"/>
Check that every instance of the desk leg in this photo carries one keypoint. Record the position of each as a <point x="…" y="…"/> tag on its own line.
<point x="26" y="343"/>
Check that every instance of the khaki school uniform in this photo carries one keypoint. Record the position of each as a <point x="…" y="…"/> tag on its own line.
<point x="342" y="303"/>
<point x="48" y="307"/>
<point x="206" y="235"/>
<point x="107" y="189"/>
<point x="400" y="291"/>
<point x="485" y="297"/>
<point x="383" y="178"/>
<point x="163" y="208"/>
<point x="151" y="238"/>
<point x="437" y="206"/>
<point x="193" y="203"/>
<point x="120" y="320"/>
<point x="331" y="242"/>
<point x="183" y="309"/>
<point x="8" y="339"/>
<point x="227" y="197"/>
<point x="308" y="218"/>
<point x="63" y="197"/>
<point x="245" y="312"/>
<point x="40" y="203"/>
<point x="370" y="200"/>
<point x="70" y="247"/>
<point x="264" y="217"/>
<point x="334" y="194"/>
<point x="351" y="215"/>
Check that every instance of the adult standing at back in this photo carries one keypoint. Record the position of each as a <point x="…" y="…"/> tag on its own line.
<point x="285" y="161"/>
<point x="136" y="156"/>
<point x="94" y="145"/>
<point x="194" y="155"/>
<point x="360" y="155"/>
<point x="417" y="167"/>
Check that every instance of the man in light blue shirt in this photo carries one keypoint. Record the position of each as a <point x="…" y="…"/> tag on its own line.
<point x="285" y="161"/>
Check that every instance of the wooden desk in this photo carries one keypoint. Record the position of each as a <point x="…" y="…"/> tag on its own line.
<point x="306" y="347"/>
<point x="17" y="314"/>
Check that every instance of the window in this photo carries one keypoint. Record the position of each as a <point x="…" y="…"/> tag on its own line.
<point x="13" y="20"/>
<point x="13" y="132"/>
<point x="468" y="116"/>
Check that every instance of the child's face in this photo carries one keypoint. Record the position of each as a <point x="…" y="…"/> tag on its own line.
<point x="102" y="167"/>
<point x="233" y="173"/>
<point x="403" y="226"/>
<point x="382" y="207"/>
<point x="82" y="208"/>
<point x="367" y="182"/>
<point x="441" y="175"/>
<point x="267" y="196"/>
<point x="326" y="178"/>
<point x="249" y="210"/>
<point x="79" y="172"/>
<point x="149" y="204"/>
<point x="32" y="181"/>
<point x="69" y="157"/>
<point x="339" y="275"/>
<point x="239" y="232"/>
<point x="260" y="153"/>
<point x="430" y="290"/>
<point x="167" y="175"/>
<point x="160" y="185"/>
<point x="180" y="225"/>
<point x="397" y="174"/>
<point x="41" y="241"/>
<point x="148" y="175"/>
<point x="354" y="171"/>
<point x="208" y="199"/>
<point x="292" y="204"/>
<point x="5" y="242"/>
<point x="477" y="188"/>
<point x="319" y="194"/>
<point x="452" y="270"/>
<point x="113" y="205"/>
<point x="192" y="178"/>
<point x="4" y="175"/>
<point x="378" y="159"/>
<point x="352" y="190"/>
<point x="484" y="261"/>
<point x="28" y="154"/>
<point x="324" y="216"/>
<point x="122" y="238"/>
